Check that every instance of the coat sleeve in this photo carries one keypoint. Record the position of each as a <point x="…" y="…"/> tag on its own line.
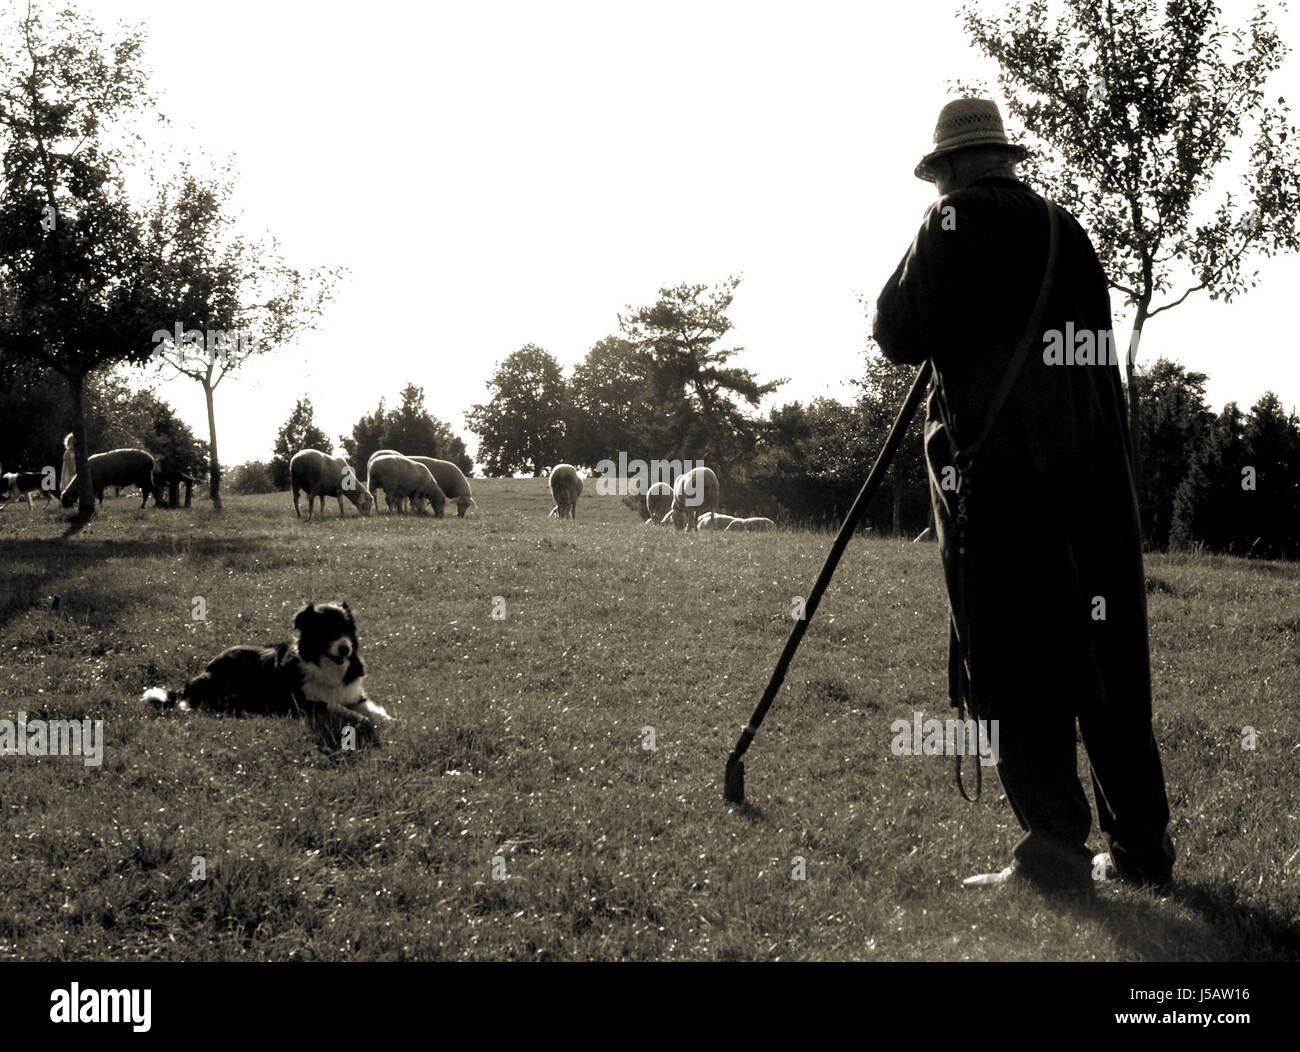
<point x="917" y="313"/>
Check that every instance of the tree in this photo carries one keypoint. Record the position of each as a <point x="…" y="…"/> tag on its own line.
<point x="233" y="299"/>
<point x="1209" y="506"/>
<point x="77" y="277"/>
<point x="885" y="386"/>
<point x="299" y="432"/>
<point x="412" y="429"/>
<point x="611" y="408"/>
<point x="693" y="390"/>
<point x="521" y="426"/>
<point x="1272" y="440"/>
<point x="1136" y="109"/>
<point x="1175" y="424"/>
<point x="409" y="428"/>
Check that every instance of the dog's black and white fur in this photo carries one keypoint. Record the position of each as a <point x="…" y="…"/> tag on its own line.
<point x="18" y="484"/>
<point x="318" y="675"/>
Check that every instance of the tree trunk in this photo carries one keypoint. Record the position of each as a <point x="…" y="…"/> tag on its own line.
<point x="214" y="465"/>
<point x="1135" y="415"/>
<point x="898" y="510"/>
<point x="85" y="484"/>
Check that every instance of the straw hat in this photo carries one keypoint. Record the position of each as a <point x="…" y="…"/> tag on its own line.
<point x="964" y="123"/>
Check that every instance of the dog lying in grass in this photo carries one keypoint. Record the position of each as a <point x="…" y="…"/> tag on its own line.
<point x="317" y="676"/>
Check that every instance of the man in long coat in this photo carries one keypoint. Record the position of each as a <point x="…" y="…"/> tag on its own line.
<point x="1049" y="617"/>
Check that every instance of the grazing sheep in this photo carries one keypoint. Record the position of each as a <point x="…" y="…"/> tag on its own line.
<point x="371" y="483"/>
<point x="401" y="477"/>
<point x="754" y="525"/>
<point x="325" y="476"/>
<point x="715" y="520"/>
<point x="693" y="494"/>
<point x="658" y="501"/>
<point x="566" y="488"/>
<point x="117" y="467"/>
<point x="452" y="481"/>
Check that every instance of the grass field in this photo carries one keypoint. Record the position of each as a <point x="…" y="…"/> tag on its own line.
<point x="515" y="811"/>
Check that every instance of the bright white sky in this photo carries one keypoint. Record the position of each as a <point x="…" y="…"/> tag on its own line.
<point x="496" y="174"/>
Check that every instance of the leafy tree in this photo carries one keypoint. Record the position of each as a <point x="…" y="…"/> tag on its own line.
<point x="694" y="391"/>
<point x="521" y="427"/>
<point x="368" y="436"/>
<point x="1209" y="507"/>
<point x="1272" y="440"/>
<point x="1136" y="108"/>
<point x="885" y="386"/>
<point x="1174" y="424"/>
<point x="298" y="433"/>
<point x="409" y="428"/>
<point x="611" y="408"/>
<point x="252" y="477"/>
<point x="77" y="277"/>
<point x="234" y="299"/>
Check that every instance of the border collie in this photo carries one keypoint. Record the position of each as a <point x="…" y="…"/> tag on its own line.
<point x="318" y="676"/>
<point x="18" y="484"/>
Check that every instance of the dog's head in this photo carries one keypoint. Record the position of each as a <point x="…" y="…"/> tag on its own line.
<point x="327" y="633"/>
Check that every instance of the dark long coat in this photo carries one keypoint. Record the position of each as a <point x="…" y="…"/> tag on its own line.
<point x="1054" y="593"/>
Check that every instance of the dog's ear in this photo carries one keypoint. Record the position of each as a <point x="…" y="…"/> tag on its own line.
<point x="301" y="616"/>
<point x="348" y="610"/>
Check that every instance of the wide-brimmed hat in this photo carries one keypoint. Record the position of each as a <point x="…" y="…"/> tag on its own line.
<point x="964" y="123"/>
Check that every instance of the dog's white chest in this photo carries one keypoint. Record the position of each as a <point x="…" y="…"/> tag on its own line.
<point x="324" y="685"/>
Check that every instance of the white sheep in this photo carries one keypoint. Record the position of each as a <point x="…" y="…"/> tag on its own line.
<point x="117" y="467"/>
<point x="325" y="476"/>
<point x="694" y="493"/>
<point x="715" y="520"/>
<point x="566" y="488"/>
<point x="658" y="501"/>
<point x="452" y="481"/>
<point x="401" y="478"/>
<point x="754" y="525"/>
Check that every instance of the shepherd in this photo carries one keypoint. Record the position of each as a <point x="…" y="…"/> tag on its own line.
<point x="1048" y="625"/>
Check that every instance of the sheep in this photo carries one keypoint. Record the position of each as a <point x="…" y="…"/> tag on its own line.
<point x="715" y="520"/>
<point x="325" y="476"/>
<point x="754" y="525"/>
<point x="694" y="493"/>
<point x="658" y="501"/>
<point x="452" y="481"/>
<point x="401" y="477"/>
<point x="117" y="467"/>
<point x="566" y="488"/>
<point x="370" y="480"/>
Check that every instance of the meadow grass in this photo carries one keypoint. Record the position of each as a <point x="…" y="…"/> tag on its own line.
<point x="520" y="750"/>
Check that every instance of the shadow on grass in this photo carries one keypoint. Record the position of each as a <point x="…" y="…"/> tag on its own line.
<point x="1224" y="929"/>
<point x="38" y="562"/>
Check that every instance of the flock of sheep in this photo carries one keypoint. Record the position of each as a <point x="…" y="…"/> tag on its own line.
<point x="421" y="481"/>
<point x="691" y="503"/>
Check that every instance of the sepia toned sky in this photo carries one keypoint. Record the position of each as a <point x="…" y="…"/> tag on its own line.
<point x="496" y="174"/>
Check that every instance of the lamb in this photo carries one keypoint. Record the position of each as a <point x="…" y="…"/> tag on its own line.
<point x="117" y="467"/>
<point x="658" y="501"/>
<point x="754" y="525"/>
<point x="715" y="520"/>
<point x="325" y="476"/>
<point x="566" y="488"/>
<point x="401" y="477"/>
<point x="693" y="494"/>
